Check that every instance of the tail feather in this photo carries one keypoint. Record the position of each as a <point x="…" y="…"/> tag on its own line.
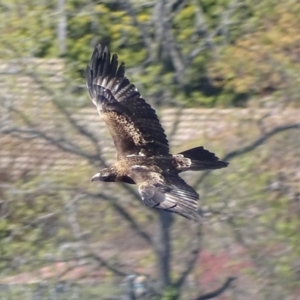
<point x="197" y="159"/>
<point x="199" y="153"/>
<point x="207" y="165"/>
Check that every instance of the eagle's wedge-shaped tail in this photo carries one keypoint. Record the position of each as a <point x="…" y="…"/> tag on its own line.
<point x="132" y="122"/>
<point x="197" y="159"/>
<point x="166" y="191"/>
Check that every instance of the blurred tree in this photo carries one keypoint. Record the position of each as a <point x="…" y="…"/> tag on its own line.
<point x="178" y="52"/>
<point x="263" y="62"/>
<point x="171" y="42"/>
<point x="27" y="28"/>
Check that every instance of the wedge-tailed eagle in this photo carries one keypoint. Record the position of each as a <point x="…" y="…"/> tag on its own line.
<point x="143" y="154"/>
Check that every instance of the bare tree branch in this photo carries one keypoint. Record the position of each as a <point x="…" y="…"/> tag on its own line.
<point x="85" y="249"/>
<point x="260" y="141"/>
<point x="219" y="291"/>
<point x="147" y="40"/>
<point x="105" y="263"/>
<point x="125" y="214"/>
<point x="170" y="42"/>
<point x="59" y="143"/>
<point x="252" y="146"/>
<point x="162" y="246"/>
<point x="158" y="23"/>
<point x="224" y="22"/>
<point x="193" y="256"/>
<point x="62" y="27"/>
<point x="82" y="130"/>
<point x="201" y="27"/>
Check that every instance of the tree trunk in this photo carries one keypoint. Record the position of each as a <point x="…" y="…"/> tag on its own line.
<point x="62" y="27"/>
<point x="163" y="248"/>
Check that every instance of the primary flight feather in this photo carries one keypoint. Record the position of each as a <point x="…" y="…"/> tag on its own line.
<point x="143" y="156"/>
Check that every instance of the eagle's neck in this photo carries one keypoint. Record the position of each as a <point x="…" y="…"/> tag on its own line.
<point x="120" y="171"/>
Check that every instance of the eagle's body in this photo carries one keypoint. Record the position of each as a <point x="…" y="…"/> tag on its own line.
<point x="143" y="155"/>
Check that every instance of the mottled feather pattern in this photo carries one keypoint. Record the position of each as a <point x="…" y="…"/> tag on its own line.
<point x="118" y="123"/>
<point x="110" y="90"/>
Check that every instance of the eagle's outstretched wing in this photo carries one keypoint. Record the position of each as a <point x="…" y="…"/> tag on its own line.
<point x="166" y="191"/>
<point x="132" y="122"/>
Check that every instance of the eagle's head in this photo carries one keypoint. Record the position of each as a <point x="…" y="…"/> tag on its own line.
<point x="107" y="175"/>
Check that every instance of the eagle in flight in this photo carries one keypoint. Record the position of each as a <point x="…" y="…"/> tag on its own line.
<point x="143" y="154"/>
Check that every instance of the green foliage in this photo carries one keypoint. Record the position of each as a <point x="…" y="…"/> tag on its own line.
<point x="255" y="57"/>
<point x="27" y="29"/>
<point x="263" y="60"/>
<point x="24" y="230"/>
<point x="170" y="293"/>
<point x="35" y="34"/>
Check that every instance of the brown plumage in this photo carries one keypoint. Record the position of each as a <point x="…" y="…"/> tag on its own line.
<point x="143" y="156"/>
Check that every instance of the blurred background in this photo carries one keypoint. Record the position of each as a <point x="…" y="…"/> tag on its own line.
<point x="221" y="73"/>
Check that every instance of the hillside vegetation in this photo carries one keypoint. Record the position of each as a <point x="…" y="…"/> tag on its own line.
<point x="223" y="74"/>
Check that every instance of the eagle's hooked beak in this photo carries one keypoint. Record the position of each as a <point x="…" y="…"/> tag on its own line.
<point x="96" y="177"/>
